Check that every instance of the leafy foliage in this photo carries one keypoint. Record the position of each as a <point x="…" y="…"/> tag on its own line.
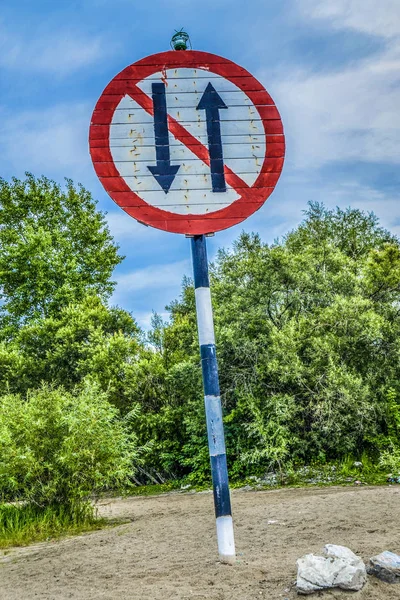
<point x="55" y="248"/>
<point x="307" y="331"/>
<point x="85" y="338"/>
<point x="308" y="343"/>
<point x="59" y="448"/>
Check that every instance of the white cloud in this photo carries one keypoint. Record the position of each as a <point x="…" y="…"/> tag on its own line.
<point x="164" y="278"/>
<point x="58" y="53"/>
<point x="144" y="318"/>
<point x="124" y="227"/>
<point x="353" y="114"/>
<point x="369" y="16"/>
<point x="51" y="141"/>
<point x="347" y="115"/>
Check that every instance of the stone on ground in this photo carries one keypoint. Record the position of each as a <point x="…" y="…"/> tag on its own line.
<point x="340" y="567"/>
<point x="385" y="566"/>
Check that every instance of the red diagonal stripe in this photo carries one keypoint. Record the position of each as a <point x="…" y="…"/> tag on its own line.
<point x="187" y="139"/>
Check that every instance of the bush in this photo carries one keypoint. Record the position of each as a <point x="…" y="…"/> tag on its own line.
<point x="60" y="448"/>
<point x="24" y="523"/>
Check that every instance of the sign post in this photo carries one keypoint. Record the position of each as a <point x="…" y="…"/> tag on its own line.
<point x="212" y="400"/>
<point x="191" y="143"/>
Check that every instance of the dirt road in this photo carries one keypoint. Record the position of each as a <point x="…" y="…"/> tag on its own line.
<point x="168" y="550"/>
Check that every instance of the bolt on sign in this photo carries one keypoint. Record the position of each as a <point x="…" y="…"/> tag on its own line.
<point x="191" y="143"/>
<point x="188" y="142"/>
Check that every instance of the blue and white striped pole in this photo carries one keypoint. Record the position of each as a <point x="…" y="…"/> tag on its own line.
<point x="215" y="426"/>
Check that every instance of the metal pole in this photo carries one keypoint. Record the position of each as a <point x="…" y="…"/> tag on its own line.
<point x="215" y="426"/>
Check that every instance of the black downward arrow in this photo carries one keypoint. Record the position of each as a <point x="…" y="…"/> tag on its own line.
<point x="212" y="102"/>
<point x="164" y="172"/>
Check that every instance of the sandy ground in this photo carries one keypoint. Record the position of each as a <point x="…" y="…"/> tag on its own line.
<point x="168" y="550"/>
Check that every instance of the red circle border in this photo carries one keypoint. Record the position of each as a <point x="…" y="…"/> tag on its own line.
<point x="251" y="199"/>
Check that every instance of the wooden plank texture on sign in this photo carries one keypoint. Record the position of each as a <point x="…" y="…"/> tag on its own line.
<point x="107" y="169"/>
<point x="179" y="152"/>
<point x="119" y="187"/>
<point x="189" y="167"/>
<point x="247" y="84"/>
<point x="181" y="182"/>
<point x="185" y="115"/>
<point x="272" y="127"/>
<point x="179" y="99"/>
<point x="140" y="140"/>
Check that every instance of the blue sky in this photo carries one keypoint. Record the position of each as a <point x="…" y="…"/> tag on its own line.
<point x="332" y="67"/>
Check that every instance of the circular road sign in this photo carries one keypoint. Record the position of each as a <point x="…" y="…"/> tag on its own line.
<point x="187" y="142"/>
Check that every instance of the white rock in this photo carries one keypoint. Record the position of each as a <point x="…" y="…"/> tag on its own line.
<point x="339" y="568"/>
<point x="340" y="552"/>
<point x="386" y="566"/>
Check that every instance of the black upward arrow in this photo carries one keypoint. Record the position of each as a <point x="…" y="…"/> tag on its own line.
<point x="164" y="172"/>
<point x="212" y="102"/>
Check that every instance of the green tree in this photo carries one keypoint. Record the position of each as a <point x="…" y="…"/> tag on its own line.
<point x="308" y="332"/>
<point x="55" y="248"/>
<point x="83" y="339"/>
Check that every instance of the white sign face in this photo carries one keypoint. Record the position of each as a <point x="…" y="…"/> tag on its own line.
<point x="213" y="110"/>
